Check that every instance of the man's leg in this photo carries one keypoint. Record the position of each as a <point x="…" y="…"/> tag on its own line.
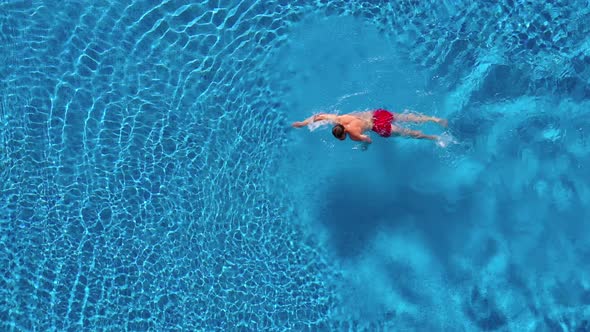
<point x="409" y="117"/>
<point x="405" y="132"/>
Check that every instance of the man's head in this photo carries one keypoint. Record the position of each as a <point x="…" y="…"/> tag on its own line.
<point x="339" y="132"/>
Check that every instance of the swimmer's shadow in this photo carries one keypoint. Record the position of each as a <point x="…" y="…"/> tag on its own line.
<point x="354" y="217"/>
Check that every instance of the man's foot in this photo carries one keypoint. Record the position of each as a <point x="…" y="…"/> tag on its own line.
<point x="442" y="122"/>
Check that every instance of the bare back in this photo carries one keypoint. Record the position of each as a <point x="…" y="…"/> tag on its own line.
<point x="357" y="122"/>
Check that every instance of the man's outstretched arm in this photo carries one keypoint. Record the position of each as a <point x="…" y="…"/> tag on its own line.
<point x="317" y="117"/>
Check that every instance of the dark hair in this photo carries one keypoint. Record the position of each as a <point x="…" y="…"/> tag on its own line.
<point x="338" y="131"/>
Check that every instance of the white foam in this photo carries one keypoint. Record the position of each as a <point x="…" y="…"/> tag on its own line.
<point x="318" y="124"/>
<point x="445" y="140"/>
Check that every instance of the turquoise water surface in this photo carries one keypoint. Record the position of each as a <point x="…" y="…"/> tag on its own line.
<point x="150" y="179"/>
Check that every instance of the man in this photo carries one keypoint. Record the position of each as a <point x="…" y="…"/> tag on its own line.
<point x="380" y="121"/>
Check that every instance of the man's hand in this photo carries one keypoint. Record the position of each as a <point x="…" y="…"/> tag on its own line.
<point x="318" y="117"/>
<point x="305" y="122"/>
<point x="366" y="139"/>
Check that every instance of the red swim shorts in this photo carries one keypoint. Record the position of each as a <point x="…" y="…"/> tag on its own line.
<point x="382" y="120"/>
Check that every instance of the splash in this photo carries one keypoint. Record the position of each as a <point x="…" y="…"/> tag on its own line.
<point x="445" y="140"/>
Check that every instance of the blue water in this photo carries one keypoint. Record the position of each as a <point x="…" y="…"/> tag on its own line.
<point x="150" y="179"/>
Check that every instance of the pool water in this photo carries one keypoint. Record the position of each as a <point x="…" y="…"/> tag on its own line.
<point x="150" y="178"/>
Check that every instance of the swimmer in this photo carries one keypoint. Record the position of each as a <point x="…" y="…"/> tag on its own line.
<point x="380" y="121"/>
